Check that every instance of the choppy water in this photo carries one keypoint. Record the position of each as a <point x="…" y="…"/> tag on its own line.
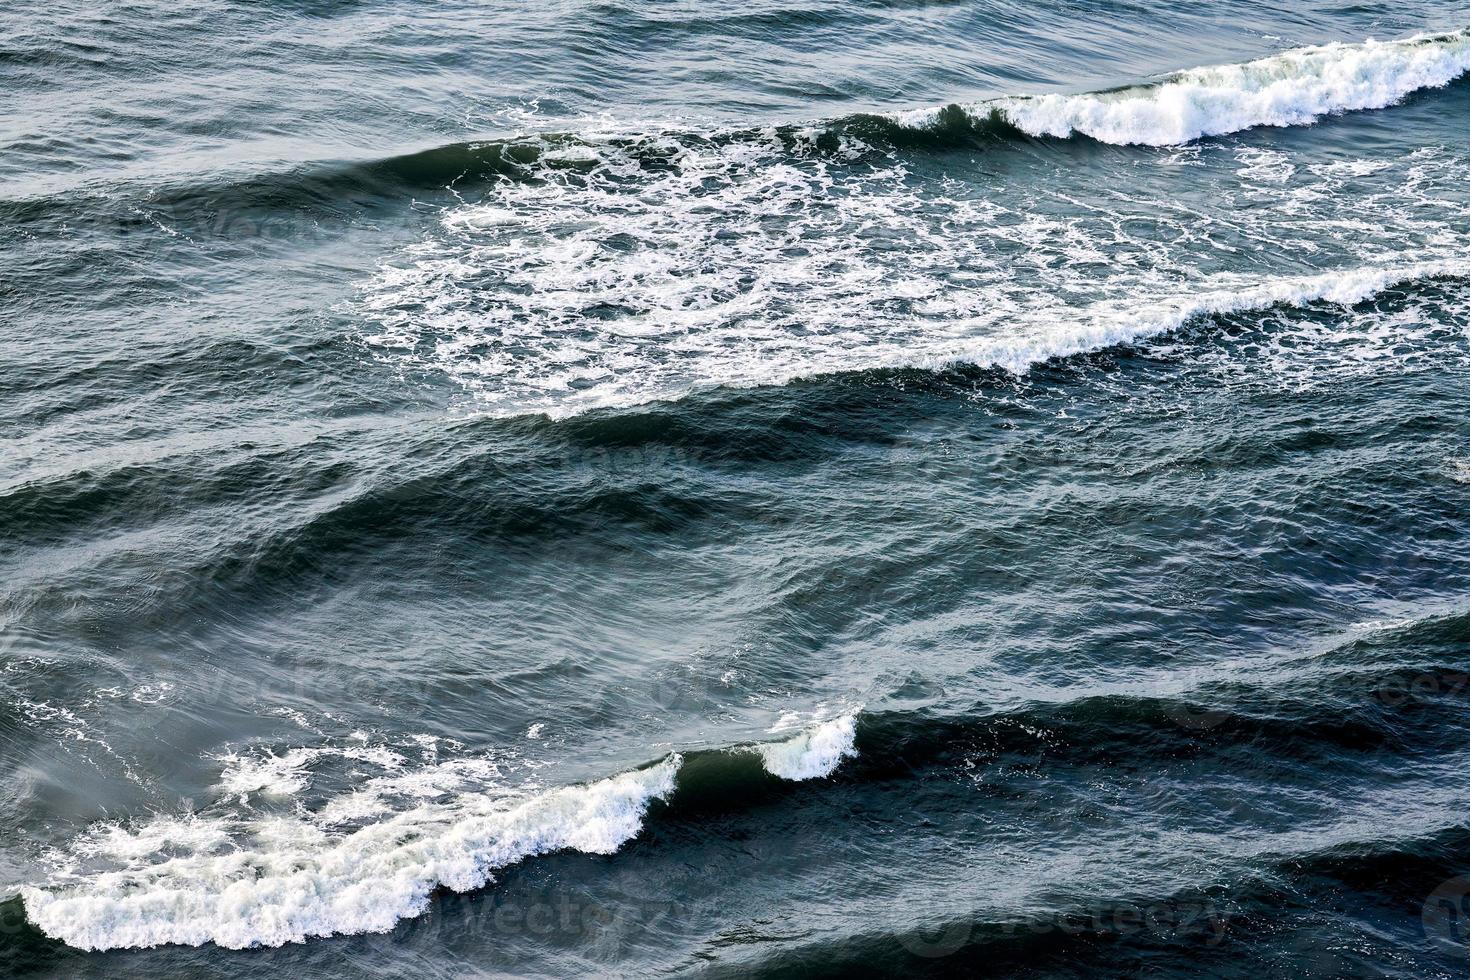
<point x="779" y="490"/>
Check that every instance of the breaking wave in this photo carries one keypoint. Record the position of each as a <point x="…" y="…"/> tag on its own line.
<point x="282" y="879"/>
<point x="1294" y="88"/>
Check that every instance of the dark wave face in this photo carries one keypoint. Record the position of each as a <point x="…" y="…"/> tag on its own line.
<point x="888" y="488"/>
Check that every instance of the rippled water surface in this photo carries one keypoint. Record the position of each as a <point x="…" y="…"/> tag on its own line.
<point x="787" y="489"/>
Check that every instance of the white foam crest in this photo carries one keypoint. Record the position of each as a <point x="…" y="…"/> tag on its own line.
<point x="814" y="753"/>
<point x="1294" y="88"/>
<point x="292" y="881"/>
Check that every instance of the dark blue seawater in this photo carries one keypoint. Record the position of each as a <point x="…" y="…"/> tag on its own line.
<point x="782" y="489"/>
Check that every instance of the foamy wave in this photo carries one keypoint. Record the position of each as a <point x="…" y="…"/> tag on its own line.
<point x="814" y="753"/>
<point x="1290" y="89"/>
<point x="284" y="879"/>
<point x="291" y="886"/>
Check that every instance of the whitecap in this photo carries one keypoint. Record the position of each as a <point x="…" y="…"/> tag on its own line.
<point x="1294" y="88"/>
<point x="814" y="753"/>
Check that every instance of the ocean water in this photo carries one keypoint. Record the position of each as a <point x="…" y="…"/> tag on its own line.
<point x="796" y="489"/>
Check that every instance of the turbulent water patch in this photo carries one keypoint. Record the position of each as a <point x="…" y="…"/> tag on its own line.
<point x="619" y="270"/>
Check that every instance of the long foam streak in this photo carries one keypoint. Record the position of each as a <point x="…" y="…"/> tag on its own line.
<point x="1107" y="324"/>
